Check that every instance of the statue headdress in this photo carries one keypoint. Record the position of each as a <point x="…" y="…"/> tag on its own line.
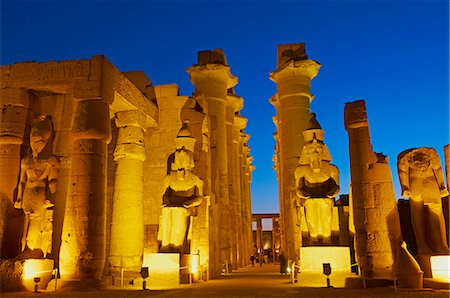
<point x="184" y="139"/>
<point x="311" y="135"/>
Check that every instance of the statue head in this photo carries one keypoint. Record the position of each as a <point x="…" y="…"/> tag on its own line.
<point x="184" y="154"/>
<point x="40" y="134"/>
<point x="314" y="151"/>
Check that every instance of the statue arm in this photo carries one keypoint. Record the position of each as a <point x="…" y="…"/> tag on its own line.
<point x="22" y="181"/>
<point x="334" y="175"/>
<point x="438" y="174"/>
<point x="403" y="175"/>
<point x="53" y="175"/>
<point x="299" y="175"/>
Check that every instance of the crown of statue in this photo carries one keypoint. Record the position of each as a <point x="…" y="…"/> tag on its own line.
<point x="313" y="134"/>
<point x="184" y="139"/>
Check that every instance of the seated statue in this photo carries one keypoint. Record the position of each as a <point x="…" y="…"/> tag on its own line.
<point x="183" y="192"/>
<point x="38" y="177"/>
<point x="317" y="183"/>
<point x="422" y="181"/>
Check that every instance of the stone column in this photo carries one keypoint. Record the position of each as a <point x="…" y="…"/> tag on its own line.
<point x="14" y="103"/>
<point x="293" y="78"/>
<point x="127" y="225"/>
<point x="447" y="164"/>
<point x="244" y="255"/>
<point x="212" y="77"/>
<point x="83" y="247"/>
<point x="376" y="217"/>
<point x="259" y="234"/>
<point x="234" y="104"/>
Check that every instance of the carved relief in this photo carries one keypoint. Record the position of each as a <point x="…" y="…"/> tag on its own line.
<point x="37" y="185"/>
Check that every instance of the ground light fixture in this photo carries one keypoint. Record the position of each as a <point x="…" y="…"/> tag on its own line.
<point x="144" y="275"/>
<point x="36" y="280"/>
<point x="327" y="272"/>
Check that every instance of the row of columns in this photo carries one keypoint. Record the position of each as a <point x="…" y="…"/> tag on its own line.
<point x="230" y="169"/>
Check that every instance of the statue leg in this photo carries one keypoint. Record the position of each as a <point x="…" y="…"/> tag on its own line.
<point x="417" y="218"/>
<point x="327" y="219"/>
<point x="166" y="226"/>
<point x="437" y="225"/>
<point x="26" y="224"/>
<point x="311" y="219"/>
<point x="179" y="225"/>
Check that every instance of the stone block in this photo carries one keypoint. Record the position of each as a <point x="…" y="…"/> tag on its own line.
<point x="164" y="270"/>
<point x="312" y="258"/>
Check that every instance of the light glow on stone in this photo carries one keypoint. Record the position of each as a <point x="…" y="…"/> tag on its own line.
<point x="440" y="267"/>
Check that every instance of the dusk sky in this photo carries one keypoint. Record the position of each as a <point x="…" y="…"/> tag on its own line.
<point x="393" y="54"/>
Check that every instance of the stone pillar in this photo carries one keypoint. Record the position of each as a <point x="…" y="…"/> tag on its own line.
<point x="14" y="104"/>
<point x="234" y="105"/>
<point x="212" y="77"/>
<point x="447" y="164"/>
<point x="82" y="253"/>
<point x="259" y="234"/>
<point x="127" y="225"/>
<point x="376" y="217"/>
<point x="292" y="101"/>
<point x="244" y="255"/>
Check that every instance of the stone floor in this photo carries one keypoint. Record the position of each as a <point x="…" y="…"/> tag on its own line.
<point x="249" y="282"/>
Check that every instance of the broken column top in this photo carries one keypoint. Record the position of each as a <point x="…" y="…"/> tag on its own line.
<point x="291" y="52"/>
<point x="355" y="115"/>
<point x="215" y="56"/>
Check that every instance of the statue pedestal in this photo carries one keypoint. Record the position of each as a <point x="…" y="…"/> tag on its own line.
<point x="163" y="270"/>
<point x="312" y="258"/>
<point x="440" y="267"/>
<point x="20" y="274"/>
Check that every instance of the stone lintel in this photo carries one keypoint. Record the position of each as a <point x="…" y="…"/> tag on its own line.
<point x="235" y="101"/>
<point x="167" y="90"/>
<point x="133" y="118"/>
<point x="14" y="96"/>
<point x="218" y="72"/>
<point x="115" y="83"/>
<point x="303" y="68"/>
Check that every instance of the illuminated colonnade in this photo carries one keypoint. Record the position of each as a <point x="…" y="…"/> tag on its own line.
<point x="108" y="203"/>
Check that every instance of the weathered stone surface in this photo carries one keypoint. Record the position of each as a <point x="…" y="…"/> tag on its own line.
<point x="372" y="194"/>
<point x="422" y="181"/>
<point x="292" y="102"/>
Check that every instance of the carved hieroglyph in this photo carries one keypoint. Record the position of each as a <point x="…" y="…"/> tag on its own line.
<point x="38" y="177"/>
<point x="317" y="183"/>
<point x="376" y="219"/>
<point x="183" y="192"/>
<point x="422" y="181"/>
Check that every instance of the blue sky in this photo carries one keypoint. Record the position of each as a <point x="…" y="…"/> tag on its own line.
<point x="393" y="54"/>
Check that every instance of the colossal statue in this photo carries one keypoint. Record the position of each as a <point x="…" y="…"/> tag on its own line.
<point x="183" y="192"/>
<point x="422" y="181"/>
<point x="37" y="184"/>
<point x="317" y="183"/>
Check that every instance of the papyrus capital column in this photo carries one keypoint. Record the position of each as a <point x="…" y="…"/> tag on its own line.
<point x="127" y="245"/>
<point x="14" y="104"/>
<point x="212" y="77"/>
<point x="292" y="102"/>
<point x="83" y="245"/>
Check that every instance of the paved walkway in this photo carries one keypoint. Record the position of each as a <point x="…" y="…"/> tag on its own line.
<point x="247" y="282"/>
